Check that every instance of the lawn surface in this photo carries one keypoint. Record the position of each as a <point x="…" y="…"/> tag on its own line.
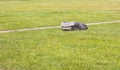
<point x="28" y="14"/>
<point x="52" y="49"/>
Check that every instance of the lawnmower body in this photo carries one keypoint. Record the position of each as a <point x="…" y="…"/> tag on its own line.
<point x="72" y="26"/>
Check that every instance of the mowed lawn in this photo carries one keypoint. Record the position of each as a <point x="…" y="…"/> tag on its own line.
<point x="97" y="48"/>
<point x="28" y="14"/>
<point x="52" y="49"/>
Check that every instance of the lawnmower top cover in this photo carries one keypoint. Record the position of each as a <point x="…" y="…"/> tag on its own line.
<point x="72" y="26"/>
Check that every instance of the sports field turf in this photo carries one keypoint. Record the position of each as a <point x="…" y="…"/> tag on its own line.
<point x="97" y="48"/>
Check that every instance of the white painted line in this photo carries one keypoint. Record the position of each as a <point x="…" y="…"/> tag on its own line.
<point x="40" y="28"/>
<point x="96" y="23"/>
<point x="28" y="29"/>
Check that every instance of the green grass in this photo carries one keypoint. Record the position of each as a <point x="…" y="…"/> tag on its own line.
<point x="52" y="49"/>
<point x="27" y="14"/>
<point x="96" y="48"/>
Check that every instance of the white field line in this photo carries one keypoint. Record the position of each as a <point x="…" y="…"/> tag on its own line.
<point x="8" y="2"/>
<point x="40" y="28"/>
<point x="96" y="23"/>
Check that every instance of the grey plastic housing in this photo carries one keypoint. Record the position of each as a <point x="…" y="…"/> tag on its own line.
<point x="72" y="26"/>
